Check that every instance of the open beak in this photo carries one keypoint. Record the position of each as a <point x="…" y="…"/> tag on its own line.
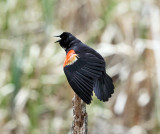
<point x="57" y="36"/>
<point x="57" y="40"/>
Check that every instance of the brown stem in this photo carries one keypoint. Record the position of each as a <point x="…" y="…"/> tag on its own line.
<point x="80" y="121"/>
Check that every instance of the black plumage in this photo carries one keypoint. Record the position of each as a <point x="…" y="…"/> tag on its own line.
<point x="85" y="70"/>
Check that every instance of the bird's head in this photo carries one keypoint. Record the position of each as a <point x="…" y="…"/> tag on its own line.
<point x="66" y="39"/>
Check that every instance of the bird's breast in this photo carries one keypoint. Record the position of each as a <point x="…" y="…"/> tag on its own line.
<point x="71" y="57"/>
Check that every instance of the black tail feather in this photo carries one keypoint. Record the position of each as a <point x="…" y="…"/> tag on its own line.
<point x="104" y="87"/>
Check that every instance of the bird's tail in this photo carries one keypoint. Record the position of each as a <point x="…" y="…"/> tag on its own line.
<point x="104" y="87"/>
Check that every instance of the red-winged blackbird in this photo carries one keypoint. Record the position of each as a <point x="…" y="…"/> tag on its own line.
<point x="85" y="69"/>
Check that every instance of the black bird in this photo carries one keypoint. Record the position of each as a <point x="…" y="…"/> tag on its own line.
<point x="85" y="69"/>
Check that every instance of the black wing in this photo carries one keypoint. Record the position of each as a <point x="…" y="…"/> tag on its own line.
<point x="83" y="74"/>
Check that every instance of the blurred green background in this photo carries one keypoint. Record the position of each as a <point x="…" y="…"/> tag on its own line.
<point x="35" y="97"/>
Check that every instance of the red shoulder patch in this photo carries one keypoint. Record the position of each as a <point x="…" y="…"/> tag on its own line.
<point x="71" y="57"/>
